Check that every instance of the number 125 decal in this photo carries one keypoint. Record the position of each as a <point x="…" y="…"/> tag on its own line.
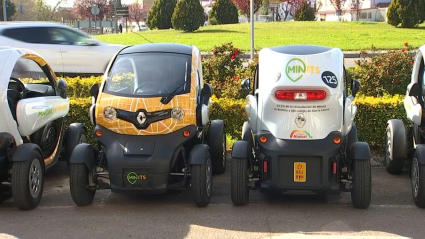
<point x="329" y="79"/>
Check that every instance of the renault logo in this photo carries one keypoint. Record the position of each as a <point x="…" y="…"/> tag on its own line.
<point x="141" y="118"/>
<point x="300" y="120"/>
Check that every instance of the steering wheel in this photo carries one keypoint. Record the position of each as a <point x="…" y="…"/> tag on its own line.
<point x="24" y="90"/>
<point x="149" y="84"/>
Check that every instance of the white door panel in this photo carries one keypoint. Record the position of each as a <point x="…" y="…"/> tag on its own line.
<point x="34" y="113"/>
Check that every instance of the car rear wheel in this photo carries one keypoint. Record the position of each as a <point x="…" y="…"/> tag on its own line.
<point x="218" y="146"/>
<point x="239" y="181"/>
<point x="362" y="184"/>
<point x="418" y="182"/>
<point x="28" y="181"/>
<point x="394" y="165"/>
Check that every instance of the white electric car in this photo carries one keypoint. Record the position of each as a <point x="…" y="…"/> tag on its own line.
<point x="409" y="145"/>
<point x="300" y="136"/>
<point x="33" y="107"/>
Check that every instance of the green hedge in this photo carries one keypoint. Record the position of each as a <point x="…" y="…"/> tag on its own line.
<point x="372" y="112"/>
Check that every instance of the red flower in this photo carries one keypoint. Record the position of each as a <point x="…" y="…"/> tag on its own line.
<point x="233" y="57"/>
<point x="235" y="78"/>
<point x="236" y="51"/>
<point x="406" y="43"/>
<point x="215" y="52"/>
<point x="396" y="82"/>
<point x="202" y="58"/>
<point x="413" y="62"/>
<point x="379" y="64"/>
<point x="403" y="50"/>
<point x="223" y="83"/>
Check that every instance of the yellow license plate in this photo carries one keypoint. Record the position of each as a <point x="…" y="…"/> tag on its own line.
<point x="299" y="172"/>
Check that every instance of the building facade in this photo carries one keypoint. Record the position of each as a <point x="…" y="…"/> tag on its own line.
<point x="368" y="10"/>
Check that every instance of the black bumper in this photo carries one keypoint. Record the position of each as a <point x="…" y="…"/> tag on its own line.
<point x="141" y="163"/>
<point x="318" y="155"/>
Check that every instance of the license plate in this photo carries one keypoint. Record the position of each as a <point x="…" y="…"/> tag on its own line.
<point x="299" y="172"/>
<point x="134" y="177"/>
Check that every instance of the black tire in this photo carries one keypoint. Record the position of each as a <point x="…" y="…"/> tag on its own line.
<point x="28" y="181"/>
<point x="82" y="138"/>
<point x="239" y="181"/>
<point x="202" y="182"/>
<point x="394" y="165"/>
<point x="361" y="193"/>
<point x="79" y="182"/>
<point x="218" y="146"/>
<point x="418" y="182"/>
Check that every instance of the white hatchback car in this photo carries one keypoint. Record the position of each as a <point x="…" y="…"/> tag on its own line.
<point x="66" y="49"/>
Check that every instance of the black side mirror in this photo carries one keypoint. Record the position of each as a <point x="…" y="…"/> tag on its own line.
<point x="62" y="88"/>
<point x="414" y="89"/>
<point x="355" y="87"/>
<point x="246" y="85"/>
<point x="206" y="93"/>
<point x="94" y="91"/>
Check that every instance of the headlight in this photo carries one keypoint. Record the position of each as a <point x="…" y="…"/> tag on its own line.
<point x="110" y="113"/>
<point x="177" y="113"/>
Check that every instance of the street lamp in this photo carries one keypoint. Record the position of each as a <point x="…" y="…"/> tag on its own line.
<point x="251" y="15"/>
<point x="4" y="11"/>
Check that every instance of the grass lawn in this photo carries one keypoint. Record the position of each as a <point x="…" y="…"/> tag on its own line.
<point x="345" y="35"/>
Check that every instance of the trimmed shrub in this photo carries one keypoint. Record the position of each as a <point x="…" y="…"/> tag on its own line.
<point x="373" y="114"/>
<point x="160" y="14"/>
<point x="232" y="112"/>
<point x="387" y="73"/>
<point x="79" y="113"/>
<point x="188" y="15"/>
<point x="406" y="13"/>
<point x="223" y="12"/>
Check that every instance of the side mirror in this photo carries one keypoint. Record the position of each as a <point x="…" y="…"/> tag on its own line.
<point x="62" y="88"/>
<point x="414" y="89"/>
<point x="206" y="93"/>
<point x="246" y="85"/>
<point x="355" y="87"/>
<point x="94" y="91"/>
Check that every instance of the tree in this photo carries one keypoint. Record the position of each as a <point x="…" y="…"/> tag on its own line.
<point x="338" y="5"/>
<point x="82" y="8"/>
<point x="406" y="13"/>
<point x="265" y="7"/>
<point x="136" y="13"/>
<point x="188" y="15"/>
<point x="305" y="12"/>
<point x="223" y="12"/>
<point x="356" y="8"/>
<point x="160" y="14"/>
<point x="244" y="6"/>
<point x="286" y="8"/>
<point x="10" y="10"/>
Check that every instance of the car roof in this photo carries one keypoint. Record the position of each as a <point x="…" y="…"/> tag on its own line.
<point x="18" y="24"/>
<point x="158" y="47"/>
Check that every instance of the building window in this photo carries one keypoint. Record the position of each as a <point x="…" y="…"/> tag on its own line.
<point x="366" y="15"/>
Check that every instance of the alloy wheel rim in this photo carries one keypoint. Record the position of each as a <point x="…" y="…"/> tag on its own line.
<point x="34" y="179"/>
<point x="415" y="177"/>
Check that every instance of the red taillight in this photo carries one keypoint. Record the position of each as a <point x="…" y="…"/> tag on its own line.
<point x="301" y="94"/>
<point x="265" y="166"/>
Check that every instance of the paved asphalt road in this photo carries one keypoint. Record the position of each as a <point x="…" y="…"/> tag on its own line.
<point x="391" y="215"/>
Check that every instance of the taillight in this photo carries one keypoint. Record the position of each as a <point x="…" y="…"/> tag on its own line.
<point x="301" y="94"/>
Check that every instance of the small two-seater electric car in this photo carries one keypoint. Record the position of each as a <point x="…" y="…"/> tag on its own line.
<point x="408" y="145"/>
<point x="151" y="117"/>
<point x="300" y="136"/>
<point x="33" y="108"/>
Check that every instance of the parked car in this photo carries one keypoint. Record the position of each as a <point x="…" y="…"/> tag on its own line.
<point x="33" y="134"/>
<point x="405" y="143"/>
<point x="66" y="49"/>
<point x="300" y="136"/>
<point x="143" y="27"/>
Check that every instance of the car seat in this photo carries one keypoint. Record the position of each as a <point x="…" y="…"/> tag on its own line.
<point x="13" y="97"/>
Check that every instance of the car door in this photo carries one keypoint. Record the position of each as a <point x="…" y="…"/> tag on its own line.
<point x="36" y="39"/>
<point x="80" y="55"/>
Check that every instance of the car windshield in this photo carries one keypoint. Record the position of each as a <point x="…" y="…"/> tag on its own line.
<point x="149" y="75"/>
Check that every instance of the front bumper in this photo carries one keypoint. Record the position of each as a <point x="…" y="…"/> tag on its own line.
<point x="142" y="163"/>
<point x="282" y="158"/>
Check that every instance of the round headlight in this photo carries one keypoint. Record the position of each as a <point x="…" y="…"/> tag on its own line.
<point x="110" y="113"/>
<point x="177" y="113"/>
